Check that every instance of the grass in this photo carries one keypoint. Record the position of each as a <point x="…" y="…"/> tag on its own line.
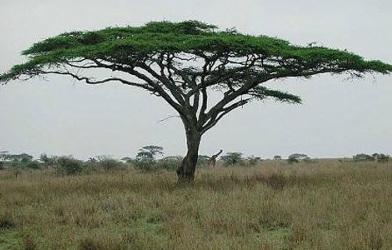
<point x="318" y="205"/>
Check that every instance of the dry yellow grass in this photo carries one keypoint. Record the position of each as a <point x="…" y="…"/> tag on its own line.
<point x="324" y="205"/>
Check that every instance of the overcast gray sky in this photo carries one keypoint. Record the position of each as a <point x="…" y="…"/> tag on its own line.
<point x="60" y="116"/>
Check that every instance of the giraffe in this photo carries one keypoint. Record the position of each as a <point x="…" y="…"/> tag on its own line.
<point x="212" y="160"/>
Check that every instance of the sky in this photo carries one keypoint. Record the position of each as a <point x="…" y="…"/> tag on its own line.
<point x="339" y="116"/>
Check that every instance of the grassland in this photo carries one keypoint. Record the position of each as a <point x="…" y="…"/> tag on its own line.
<point x="321" y="205"/>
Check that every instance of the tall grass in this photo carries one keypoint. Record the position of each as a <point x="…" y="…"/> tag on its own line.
<point x="319" y="205"/>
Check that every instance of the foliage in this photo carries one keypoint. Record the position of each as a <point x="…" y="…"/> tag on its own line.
<point x="48" y="160"/>
<point x="21" y="158"/>
<point x="295" y="158"/>
<point x="277" y="157"/>
<point x="232" y="158"/>
<point x="169" y="163"/>
<point x="137" y="43"/>
<point x="68" y="166"/>
<point x="379" y="157"/>
<point x="32" y="165"/>
<point x="202" y="160"/>
<point x="108" y="164"/>
<point x="253" y="160"/>
<point x="127" y="159"/>
<point x="148" y="153"/>
<point x="363" y="157"/>
<point x="146" y="157"/>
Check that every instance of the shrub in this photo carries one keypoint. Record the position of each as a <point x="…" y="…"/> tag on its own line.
<point x="145" y="164"/>
<point x="32" y="165"/>
<point x="1" y="165"/>
<point x="202" y="160"/>
<point x="68" y="166"/>
<point x="232" y="158"/>
<point x="169" y="163"/>
<point x="253" y="160"/>
<point x="108" y="164"/>
<point x="48" y="161"/>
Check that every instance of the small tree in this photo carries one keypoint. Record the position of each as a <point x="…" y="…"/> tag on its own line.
<point x="232" y="158"/>
<point x="183" y="63"/>
<point x="68" y="166"/>
<point x="146" y="157"/>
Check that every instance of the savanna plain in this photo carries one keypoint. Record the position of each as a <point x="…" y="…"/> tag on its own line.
<point x="325" y="204"/>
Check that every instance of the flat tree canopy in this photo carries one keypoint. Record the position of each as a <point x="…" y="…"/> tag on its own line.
<point x="183" y="62"/>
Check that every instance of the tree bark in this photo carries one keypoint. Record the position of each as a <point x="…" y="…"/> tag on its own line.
<point x="186" y="171"/>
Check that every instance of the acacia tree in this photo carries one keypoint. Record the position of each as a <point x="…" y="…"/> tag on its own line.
<point x="183" y="63"/>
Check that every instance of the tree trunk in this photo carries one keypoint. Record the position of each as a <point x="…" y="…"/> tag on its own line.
<point x="186" y="172"/>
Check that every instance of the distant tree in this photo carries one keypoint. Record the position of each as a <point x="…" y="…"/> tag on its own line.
<point x="232" y="158"/>
<point x="48" y="160"/>
<point x="363" y="157"/>
<point x="277" y="157"/>
<point x="183" y="63"/>
<point x="22" y="158"/>
<point x="379" y="157"/>
<point x="149" y="152"/>
<point x="3" y="155"/>
<point x="295" y="158"/>
<point x="146" y="157"/>
<point x="32" y="165"/>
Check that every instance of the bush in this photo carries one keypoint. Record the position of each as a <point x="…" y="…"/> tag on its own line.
<point x="169" y="163"/>
<point x="202" y="160"/>
<point x="33" y="165"/>
<point x="2" y="165"/>
<point x="108" y="164"/>
<point x="68" y="166"/>
<point x="145" y="164"/>
<point x="232" y="158"/>
<point x="48" y="161"/>
<point x="253" y="160"/>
